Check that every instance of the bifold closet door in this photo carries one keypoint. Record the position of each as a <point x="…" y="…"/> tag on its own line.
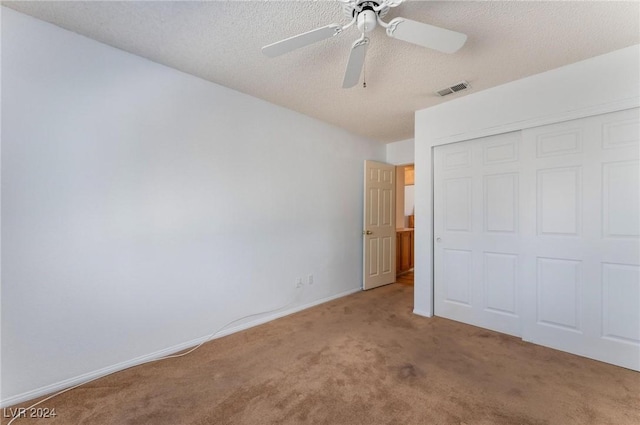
<point x="583" y="264"/>
<point x="477" y="231"/>
<point x="537" y="235"/>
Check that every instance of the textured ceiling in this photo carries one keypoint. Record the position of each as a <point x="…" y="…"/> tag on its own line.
<point x="220" y="41"/>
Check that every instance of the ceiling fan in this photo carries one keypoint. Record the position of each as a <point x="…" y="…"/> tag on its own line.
<point x="366" y="15"/>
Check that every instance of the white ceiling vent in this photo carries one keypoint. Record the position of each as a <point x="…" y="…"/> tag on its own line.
<point x="462" y="85"/>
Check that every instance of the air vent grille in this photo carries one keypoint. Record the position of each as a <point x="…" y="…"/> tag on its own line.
<point x="462" y="85"/>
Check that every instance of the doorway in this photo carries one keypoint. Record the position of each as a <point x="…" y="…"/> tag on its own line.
<point x="405" y="205"/>
<point x="388" y="234"/>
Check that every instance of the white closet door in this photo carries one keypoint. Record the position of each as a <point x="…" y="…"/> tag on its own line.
<point x="477" y="232"/>
<point x="537" y="234"/>
<point x="584" y="261"/>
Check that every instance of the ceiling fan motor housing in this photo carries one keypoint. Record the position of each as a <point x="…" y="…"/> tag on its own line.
<point x="352" y="8"/>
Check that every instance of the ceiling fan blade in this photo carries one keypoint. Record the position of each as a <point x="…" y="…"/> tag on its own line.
<point x="426" y="35"/>
<point x="284" y="46"/>
<point x="355" y="64"/>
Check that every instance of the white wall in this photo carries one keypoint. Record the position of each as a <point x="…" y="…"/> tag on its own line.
<point x="144" y="208"/>
<point x="409" y="200"/>
<point x="400" y="153"/>
<point x="598" y="85"/>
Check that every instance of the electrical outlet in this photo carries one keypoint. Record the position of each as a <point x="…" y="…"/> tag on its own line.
<point x="299" y="283"/>
<point x="310" y="279"/>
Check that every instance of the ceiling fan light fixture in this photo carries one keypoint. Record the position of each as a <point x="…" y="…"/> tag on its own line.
<point x="367" y="20"/>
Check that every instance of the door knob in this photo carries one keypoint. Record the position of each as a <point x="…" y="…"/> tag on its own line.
<point x="438" y="240"/>
<point x="367" y="232"/>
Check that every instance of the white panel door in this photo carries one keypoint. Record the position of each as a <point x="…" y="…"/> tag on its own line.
<point x="537" y="233"/>
<point x="477" y="232"/>
<point x="583" y="264"/>
<point x="379" y="234"/>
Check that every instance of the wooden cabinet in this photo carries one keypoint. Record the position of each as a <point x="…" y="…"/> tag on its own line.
<point x="404" y="250"/>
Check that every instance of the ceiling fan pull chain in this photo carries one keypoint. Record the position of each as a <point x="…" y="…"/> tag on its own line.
<point x="364" y="74"/>
<point x="364" y="65"/>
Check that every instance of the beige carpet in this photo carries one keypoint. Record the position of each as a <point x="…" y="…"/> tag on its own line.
<point x="362" y="359"/>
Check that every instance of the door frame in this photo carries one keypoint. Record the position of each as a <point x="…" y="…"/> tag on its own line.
<point x="552" y="97"/>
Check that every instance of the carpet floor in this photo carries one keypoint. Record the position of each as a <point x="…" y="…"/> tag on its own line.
<point x="361" y="359"/>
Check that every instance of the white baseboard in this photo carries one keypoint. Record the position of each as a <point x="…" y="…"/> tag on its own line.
<point x="92" y="376"/>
